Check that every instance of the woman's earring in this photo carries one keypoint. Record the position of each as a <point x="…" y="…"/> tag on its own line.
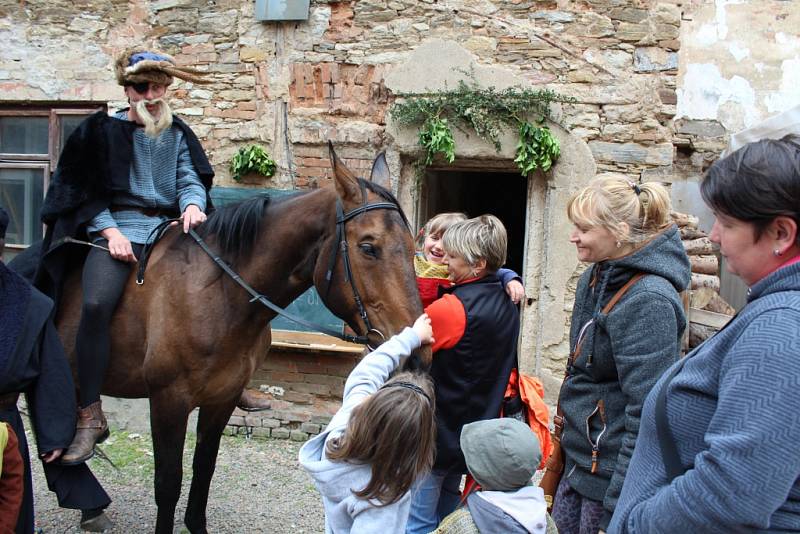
<point x="777" y="252"/>
<point x="619" y="244"/>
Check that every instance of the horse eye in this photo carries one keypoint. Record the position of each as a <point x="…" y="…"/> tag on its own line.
<point x="368" y="249"/>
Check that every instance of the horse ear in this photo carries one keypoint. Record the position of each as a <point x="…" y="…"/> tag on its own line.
<point x="346" y="181"/>
<point x="380" y="171"/>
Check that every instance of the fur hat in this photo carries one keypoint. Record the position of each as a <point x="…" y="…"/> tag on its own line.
<point x="138" y="65"/>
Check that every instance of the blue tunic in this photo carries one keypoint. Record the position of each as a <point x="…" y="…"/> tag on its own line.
<point x="162" y="176"/>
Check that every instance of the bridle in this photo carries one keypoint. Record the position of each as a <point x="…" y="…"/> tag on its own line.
<point x="339" y="243"/>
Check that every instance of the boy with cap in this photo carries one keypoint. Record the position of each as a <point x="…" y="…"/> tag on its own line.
<point x="501" y="455"/>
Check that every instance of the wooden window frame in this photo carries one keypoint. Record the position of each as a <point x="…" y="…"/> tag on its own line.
<point x="54" y="112"/>
<point x="44" y="166"/>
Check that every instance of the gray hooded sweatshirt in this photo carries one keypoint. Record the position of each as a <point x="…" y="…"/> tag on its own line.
<point x="336" y="481"/>
<point x="624" y="354"/>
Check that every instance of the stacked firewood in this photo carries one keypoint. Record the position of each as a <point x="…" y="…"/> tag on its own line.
<point x="704" y="291"/>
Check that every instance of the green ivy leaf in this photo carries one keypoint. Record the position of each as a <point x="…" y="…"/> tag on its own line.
<point x="536" y="149"/>
<point x="252" y="158"/>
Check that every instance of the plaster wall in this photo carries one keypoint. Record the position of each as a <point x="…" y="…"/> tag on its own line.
<point x="740" y="62"/>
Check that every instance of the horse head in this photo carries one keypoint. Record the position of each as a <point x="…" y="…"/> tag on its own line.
<point x="365" y="272"/>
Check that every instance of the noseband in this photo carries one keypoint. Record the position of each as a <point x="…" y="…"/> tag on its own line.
<point x="341" y="244"/>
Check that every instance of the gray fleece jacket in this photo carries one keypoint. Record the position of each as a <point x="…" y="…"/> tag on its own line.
<point x="336" y="481"/>
<point x="623" y="355"/>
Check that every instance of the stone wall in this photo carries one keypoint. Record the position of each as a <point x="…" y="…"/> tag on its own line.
<point x="306" y="389"/>
<point x="637" y="68"/>
<point x="296" y="85"/>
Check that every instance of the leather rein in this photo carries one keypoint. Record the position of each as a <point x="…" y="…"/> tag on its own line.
<point x="339" y="244"/>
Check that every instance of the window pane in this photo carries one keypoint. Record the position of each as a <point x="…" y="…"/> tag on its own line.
<point x="68" y="125"/>
<point x="23" y="135"/>
<point x="21" y="194"/>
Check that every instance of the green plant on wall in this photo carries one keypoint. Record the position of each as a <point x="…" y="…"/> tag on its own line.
<point x="537" y="148"/>
<point x="435" y="136"/>
<point x="488" y="112"/>
<point x="251" y="158"/>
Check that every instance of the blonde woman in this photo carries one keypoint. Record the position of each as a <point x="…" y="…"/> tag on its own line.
<point x="623" y="229"/>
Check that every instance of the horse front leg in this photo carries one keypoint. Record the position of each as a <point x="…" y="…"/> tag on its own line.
<point x="210" y="425"/>
<point x="168" y="416"/>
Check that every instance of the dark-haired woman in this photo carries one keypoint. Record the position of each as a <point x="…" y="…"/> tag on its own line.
<point x="719" y="446"/>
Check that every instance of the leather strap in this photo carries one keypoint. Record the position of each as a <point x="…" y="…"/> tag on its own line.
<point x="621" y="292"/>
<point x="147" y="212"/>
<point x="558" y="420"/>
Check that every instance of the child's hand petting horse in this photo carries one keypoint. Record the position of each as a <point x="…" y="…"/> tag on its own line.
<point x="422" y="326"/>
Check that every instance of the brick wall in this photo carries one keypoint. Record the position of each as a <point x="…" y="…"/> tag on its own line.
<point x="306" y="389"/>
<point x="313" y="165"/>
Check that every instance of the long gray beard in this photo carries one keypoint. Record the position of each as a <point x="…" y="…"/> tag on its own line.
<point x="154" y="126"/>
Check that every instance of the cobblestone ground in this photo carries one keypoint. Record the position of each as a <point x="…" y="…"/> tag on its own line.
<point x="258" y="487"/>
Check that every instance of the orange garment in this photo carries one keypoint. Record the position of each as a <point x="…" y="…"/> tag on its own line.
<point x="531" y="391"/>
<point x="448" y="321"/>
<point x="11" y="483"/>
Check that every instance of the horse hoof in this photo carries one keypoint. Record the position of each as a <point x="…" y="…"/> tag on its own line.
<point x="98" y="523"/>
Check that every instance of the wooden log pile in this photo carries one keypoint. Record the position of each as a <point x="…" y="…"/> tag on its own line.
<point x="707" y="310"/>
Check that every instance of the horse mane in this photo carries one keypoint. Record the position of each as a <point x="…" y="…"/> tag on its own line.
<point x="235" y="226"/>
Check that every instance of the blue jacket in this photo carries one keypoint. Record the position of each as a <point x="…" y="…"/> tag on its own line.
<point x="734" y="410"/>
<point x="624" y="353"/>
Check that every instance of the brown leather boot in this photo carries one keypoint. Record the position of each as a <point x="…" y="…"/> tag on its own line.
<point x="253" y="400"/>
<point x="92" y="428"/>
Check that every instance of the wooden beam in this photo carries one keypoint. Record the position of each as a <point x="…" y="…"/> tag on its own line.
<point x="312" y="341"/>
<point x="707" y="318"/>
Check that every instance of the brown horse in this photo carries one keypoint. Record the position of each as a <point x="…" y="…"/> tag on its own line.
<point x="190" y="337"/>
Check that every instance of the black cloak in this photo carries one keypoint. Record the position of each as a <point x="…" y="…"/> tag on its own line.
<point x="32" y="361"/>
<point x="94" y="163"/>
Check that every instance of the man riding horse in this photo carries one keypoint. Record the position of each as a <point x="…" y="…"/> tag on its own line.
<point x="119" y="176"/>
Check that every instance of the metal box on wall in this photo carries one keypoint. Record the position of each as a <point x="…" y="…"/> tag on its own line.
<point x="275" y="10"/>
